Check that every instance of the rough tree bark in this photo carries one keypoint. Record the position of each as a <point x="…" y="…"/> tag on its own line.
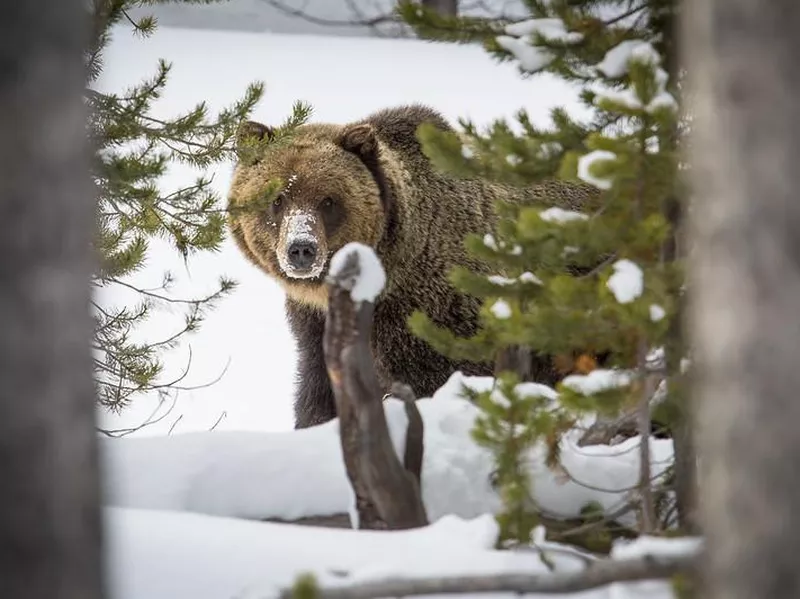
<point x="745" y="282"/>
<point x="387" y="492"/>
<point x="50" y="527"/>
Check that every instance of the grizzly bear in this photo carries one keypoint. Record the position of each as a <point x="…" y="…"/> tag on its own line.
<point x="369" y="181"/>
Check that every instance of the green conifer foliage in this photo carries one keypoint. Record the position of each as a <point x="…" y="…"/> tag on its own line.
<point x="567" y="282"/>
<point x="134" y="148"/>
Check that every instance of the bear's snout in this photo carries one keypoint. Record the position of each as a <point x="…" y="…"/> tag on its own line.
<point x="302" y="255"/>
<point x="302" y="246"/>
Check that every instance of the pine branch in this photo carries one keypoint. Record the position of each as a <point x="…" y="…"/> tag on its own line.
<point x="600" y="573"/>
<point x="133" y="150"/>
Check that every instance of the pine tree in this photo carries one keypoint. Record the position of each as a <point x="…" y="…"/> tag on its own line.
<point x="575" y="285"/>
<point x="133" y="149"/>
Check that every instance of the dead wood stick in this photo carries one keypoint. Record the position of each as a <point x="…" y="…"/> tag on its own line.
<point x="328" y="521"/>
<point x="412" y="460"/>
<point x="600" y="573"/>
<point x="606" y="428"/>
<point x="387" y="495"/>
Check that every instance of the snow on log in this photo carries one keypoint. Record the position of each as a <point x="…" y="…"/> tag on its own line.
<point x="387" y="495"/>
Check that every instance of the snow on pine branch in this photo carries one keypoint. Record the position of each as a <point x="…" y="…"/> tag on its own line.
<point x="490" y="242"/>
<point x="657" y="312"/>
<point x="526" y="277"/>
<point x="627" y="282"/>
<point x="551" y="29"/>
<point x="616" y="64"/>
<point x="560" y="215"/>
<point x="588" y="161"/>
<point x="616" y="61"/>
<point x="520" y="41"/>
<point x="501" y="309"/>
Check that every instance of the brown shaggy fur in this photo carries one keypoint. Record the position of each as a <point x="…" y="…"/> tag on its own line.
<point x="385" y="194"/>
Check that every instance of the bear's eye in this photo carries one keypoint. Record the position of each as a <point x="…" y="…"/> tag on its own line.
<point x="327" y="203"/>
<point x="277" y="202"/>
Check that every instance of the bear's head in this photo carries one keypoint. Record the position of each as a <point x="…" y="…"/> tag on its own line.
<point x="332" y="191"/>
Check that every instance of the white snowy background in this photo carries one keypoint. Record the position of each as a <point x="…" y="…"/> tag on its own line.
<point x="182" y="502"/>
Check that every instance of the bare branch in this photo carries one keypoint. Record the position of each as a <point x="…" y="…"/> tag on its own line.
<point x="608" y="428"/>
<point x="174" y="424"/>
<point x="600" y="573"/>
<point x="358" y="20"/>
<point x="220" y="419"/>
<point x="412" y="460"/>
<point x="648" y="511"/>
<point x="329" y="521"/>
<point x="149" y="421"/>
<point x="607" y="519"/>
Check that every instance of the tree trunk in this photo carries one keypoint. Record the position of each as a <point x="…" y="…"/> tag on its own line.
<point x="746" y="284"/>
<point x="50" y="527"/>
<point x="447" y="8"/>
<point x="388" y="493"/>
<point x="681" y="426"/>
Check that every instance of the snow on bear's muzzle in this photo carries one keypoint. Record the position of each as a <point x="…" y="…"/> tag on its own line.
<point x="302" y="250"/>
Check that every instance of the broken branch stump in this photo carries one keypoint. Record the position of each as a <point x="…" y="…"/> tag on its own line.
<point x="387" y="494"/>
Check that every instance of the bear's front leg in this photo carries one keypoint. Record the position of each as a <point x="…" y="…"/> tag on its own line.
<point x="314" y="402"/>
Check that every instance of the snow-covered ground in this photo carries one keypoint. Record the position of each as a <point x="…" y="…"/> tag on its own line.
<point x="182" y="508"/>
<point x="155" y="555"/>
<point x="247" y="475"/>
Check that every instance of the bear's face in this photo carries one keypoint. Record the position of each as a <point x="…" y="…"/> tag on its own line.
<point x="328" y="198"/>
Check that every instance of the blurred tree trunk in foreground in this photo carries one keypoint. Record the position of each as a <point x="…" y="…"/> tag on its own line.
<point x="746" y="285"/>
<point x="50" y="527"/>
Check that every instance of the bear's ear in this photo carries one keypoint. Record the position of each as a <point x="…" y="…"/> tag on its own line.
<point x="359" y="139"/>
<point x="249" y="135"/>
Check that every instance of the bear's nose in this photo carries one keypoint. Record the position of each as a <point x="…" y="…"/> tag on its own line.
<point x="302" y="254"/>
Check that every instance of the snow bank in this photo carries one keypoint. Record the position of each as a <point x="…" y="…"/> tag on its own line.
<point x="289" y="475"/>
<point x="160" y="555"/>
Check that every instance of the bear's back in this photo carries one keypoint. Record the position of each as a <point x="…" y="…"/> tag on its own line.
<point x="397" y="127"/>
